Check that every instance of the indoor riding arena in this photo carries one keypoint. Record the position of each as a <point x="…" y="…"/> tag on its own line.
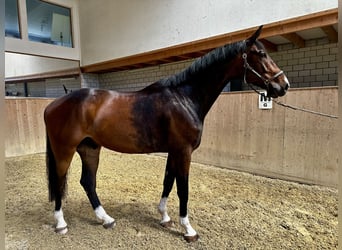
<point x="217" y="124"/>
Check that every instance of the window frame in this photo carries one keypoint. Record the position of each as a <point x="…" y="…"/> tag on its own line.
<point x="25" y="46"/>
<point x="19" y="25"/>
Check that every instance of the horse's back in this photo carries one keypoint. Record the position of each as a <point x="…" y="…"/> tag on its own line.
<point x="69" y="115"/>
<point x="76" y="98"/>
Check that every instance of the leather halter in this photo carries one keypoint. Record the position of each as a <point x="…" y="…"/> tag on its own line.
<point x="248" y="67"/>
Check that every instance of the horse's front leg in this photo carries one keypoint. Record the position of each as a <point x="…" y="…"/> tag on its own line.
<point x="162" y="208"/>
<point x="177" y="167"/>
<point x="183" y="194"/>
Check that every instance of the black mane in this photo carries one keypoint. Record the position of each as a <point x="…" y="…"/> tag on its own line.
<point x="215" y="57"/>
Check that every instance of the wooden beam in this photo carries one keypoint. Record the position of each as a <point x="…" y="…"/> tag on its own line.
<point x="295" y="39"/>
<point x="184" y="57"/>
<point x="198" y="53"/>
<point x="315" y="20"/>
<point x="331" y="33"/>
<point x="169" y="59"/>
<point x="270" y="47"/>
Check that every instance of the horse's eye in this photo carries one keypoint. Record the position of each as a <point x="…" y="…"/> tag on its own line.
<point x="262" y="53"/>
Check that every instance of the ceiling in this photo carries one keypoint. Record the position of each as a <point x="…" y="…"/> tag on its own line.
<point x="298" y="38"/>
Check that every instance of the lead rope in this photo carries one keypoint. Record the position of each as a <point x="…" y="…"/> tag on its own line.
<point x="248" y="67"/>
<point x="305" y="110"/>
<point x="291" y="106"/>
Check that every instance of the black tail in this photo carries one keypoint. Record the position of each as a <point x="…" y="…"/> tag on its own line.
<point x="56" y="188"/>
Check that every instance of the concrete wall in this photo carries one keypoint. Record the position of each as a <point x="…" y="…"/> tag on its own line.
<point x="113" y="29"/>
<point x="21" y="65"/>
<point x="280" y="143"/>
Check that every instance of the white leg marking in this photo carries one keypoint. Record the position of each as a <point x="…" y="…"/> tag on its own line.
<point x="184" y="221"/>
<point x="162" y="208"/>
<point x="103" y="216"/>
<point x="61" y="226"/>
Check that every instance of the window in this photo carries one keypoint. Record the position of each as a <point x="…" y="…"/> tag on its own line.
<point x="48" y="23"/>
<point x="12" y="19"/>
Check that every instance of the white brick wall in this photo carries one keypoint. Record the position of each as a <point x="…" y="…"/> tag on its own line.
<point x="312" y="66"/>
<point x="132" y="80"/>
<point x="89" y="80"/>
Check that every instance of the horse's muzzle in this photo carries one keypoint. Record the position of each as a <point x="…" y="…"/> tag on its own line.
<point x="275" y="90"/>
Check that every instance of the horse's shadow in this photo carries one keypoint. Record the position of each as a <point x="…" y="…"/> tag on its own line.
<point x="138" y="214"/>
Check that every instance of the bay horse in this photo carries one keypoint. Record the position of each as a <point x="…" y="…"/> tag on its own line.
<point x="166" y="116"/>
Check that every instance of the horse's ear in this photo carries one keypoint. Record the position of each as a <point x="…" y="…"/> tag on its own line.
<point x="250" y="41"/>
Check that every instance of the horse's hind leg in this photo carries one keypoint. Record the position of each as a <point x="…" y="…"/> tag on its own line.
<point x="167" y="187"/>
<point x="89" y="152"/>
<point x="57" y="167"/>
<point x="61" y="173"/>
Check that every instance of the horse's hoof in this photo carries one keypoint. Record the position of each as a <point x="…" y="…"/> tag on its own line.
<point x="62" y="230"/>
<point x="109" y="225"/>
<point x="191" y="238"/>
<point x="167" y="224"/>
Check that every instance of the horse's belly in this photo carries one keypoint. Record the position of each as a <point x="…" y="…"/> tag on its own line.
<point x="122" y="145"/>
<point x="122" y="139"/>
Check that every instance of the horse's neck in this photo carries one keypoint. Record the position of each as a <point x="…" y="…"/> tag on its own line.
<point x="209" y="86"/>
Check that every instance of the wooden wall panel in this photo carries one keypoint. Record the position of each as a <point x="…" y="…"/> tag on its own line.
<point x="237" y="133"/>
<point x="281" y="142"/>
<point x="25" y="131"/>
<point x="311" y="144"/>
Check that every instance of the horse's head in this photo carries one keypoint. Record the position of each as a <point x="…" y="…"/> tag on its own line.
<point x="260" y="69"/>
